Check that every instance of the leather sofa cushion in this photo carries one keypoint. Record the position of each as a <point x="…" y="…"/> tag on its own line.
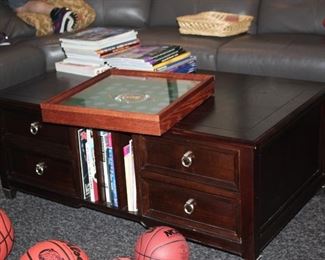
<point x="19" y="63"/>
<point x="12" y="25"/>
<point x="294" y="56"/>
<point x="164" y="12"/>
<point x="293" y="16"/>
<point x="204" y="48"/>
<point x="50" y="47"/>
<point x="128" y="13"/>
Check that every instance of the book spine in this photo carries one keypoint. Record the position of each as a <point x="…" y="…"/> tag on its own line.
<point x="104" y="162"/>
<point x="167" y="57"/>
<point x="82" y="138"/>
<point x="172" y="60"/>
<point x="131" y="190"/>
<point x="157" y="54"/>
<point x="188" y="60"/>
<point x="90" y="152"/>
<point x="114" y="48"/>
<point x="112" y="172"/>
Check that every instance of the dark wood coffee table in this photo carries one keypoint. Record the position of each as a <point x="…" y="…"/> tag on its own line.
<point x="230" y="175"/>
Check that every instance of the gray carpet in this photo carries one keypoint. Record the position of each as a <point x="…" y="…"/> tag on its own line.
<point x="104" y="237"/>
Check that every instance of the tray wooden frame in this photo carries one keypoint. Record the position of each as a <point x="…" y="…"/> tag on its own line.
<point x="134" y="122"/>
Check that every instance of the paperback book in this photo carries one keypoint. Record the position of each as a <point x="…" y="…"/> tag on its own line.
<point x="97" y="38"/>
<point x="104" y="149"/>
<point x="91" y="163"/>
<point x="148" y="58"/>
<point x="111" y="169"/>
<point x="83" y="69"/>
<point x="131" y="189"/>
<point x="82" y="140"/>
<point x="111" y="50"/>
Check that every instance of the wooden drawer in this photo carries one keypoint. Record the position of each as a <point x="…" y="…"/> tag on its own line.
<point x="42" y="171"/>
<point x="192" y="209"/>
<point x="205" y="162"/>
<point x="29" y="124"/>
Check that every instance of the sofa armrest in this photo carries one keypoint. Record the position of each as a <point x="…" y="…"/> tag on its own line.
<point x="12" y="25"/>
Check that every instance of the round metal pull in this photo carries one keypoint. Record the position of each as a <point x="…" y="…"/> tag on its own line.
<point x="187" y="159"/>
<point x="40" y="168"/>
<point x="189" y="206"/>
<point x="35" y="127"/>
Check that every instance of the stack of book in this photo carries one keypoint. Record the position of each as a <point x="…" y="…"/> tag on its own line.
<point x="167" y="58"/>
<point x="86" y="51"/>
<point x="94" y="50"/>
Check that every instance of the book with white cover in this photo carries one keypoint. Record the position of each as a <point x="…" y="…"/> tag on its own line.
<point x="90" y="154"/>
<point x="96" y="36"/>
<point x="88" y="70"/>
<point x="131" y="190"/>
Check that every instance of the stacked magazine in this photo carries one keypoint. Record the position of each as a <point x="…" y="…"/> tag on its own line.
<point x="86" y="51"/>
<point x="167" y="58"/>
<point x="94" y="50"/>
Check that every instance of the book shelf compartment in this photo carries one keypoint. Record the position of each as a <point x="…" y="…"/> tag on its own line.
<point x="107" y="179"/>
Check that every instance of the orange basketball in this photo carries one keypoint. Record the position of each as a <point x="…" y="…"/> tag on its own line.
<point x="6" y="234"/>
<point x="161" y="243"/>
<point x="54" y="250"/>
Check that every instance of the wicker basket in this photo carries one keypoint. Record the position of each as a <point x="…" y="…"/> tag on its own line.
<point x="213" y="23"/>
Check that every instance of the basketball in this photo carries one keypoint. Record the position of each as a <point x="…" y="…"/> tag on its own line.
<point x="54" y="250"/>
<point x="161" y="243"/>
<point x="6" y="234"/>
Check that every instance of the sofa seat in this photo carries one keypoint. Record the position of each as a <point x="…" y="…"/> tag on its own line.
<point x="294" y="56"/>
<point x="204" y="48"/>
<point x="19" y="63"/>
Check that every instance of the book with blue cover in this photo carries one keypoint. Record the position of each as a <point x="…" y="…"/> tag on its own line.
<point x="111" y="170"/>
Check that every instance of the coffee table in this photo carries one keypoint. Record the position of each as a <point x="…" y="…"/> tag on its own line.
<point x="230" y="175"/>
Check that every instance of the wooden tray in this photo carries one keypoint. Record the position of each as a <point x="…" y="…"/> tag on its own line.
<point x="130" y="101"/>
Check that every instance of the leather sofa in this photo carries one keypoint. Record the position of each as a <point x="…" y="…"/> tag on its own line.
<point x="286" y="39"/>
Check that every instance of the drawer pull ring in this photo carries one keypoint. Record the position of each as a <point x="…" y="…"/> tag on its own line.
<point x="35" y="127"/>
<point x="187" y="159"/>
<point x="189" y="206"/>
<point x="40" y="168"/>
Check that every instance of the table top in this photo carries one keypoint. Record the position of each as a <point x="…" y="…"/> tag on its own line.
<point x="244" y="107"/>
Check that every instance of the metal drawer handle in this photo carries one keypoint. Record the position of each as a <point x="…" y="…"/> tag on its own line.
<point x="40" y="168"/>
<point x="35" y="127"/>
<point x="187" y="159"/>
<point x="189" y="206"/>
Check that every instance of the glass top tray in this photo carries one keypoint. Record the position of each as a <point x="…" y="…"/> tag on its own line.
<point x="130" y="101"/>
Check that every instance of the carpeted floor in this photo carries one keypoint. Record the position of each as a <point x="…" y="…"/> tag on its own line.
<point x="104" y="237"/>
